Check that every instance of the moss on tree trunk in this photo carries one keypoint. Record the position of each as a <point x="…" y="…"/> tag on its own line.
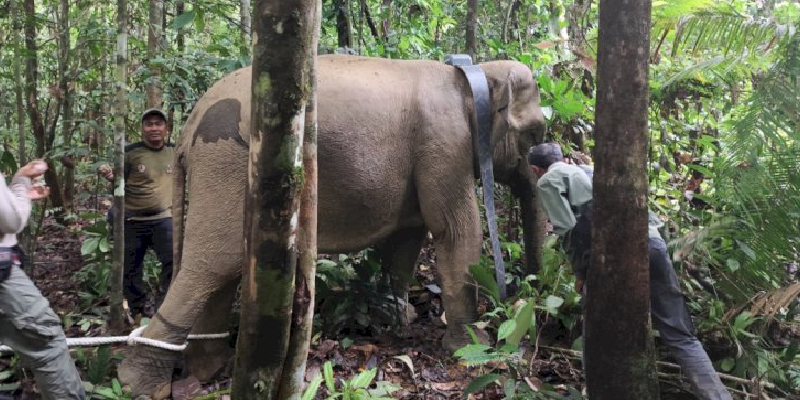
<point x="283" y="47"/>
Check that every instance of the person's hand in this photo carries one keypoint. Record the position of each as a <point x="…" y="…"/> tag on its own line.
<point x="106" y="172"/>
<point x="579" y="286"/>
<point x="33" y="169"/>
<point x="38" y="192"/>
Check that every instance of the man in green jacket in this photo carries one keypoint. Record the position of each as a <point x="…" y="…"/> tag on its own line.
<point x="148" y="209"/>
<point x="565" y="191"/>
<point x="27" y="323"/>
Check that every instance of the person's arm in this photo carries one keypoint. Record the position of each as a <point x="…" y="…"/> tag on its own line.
<point x="15" y="204"/>
<point x="552" y="194"/>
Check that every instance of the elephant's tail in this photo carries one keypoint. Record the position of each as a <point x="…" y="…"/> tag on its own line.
<point x="178" y="209"/>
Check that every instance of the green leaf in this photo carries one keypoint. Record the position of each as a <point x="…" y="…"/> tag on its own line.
<point x="732" y="264"/>
<point x="312" y="388"/>
<point x="199" y="19"/>
<point x="6" y="374"/>
<point x="184" y="19"/>
<point x="104" y="246"/>
<point x="480" y="382"/>
<point x="362" y="380"/>
<point x="552" y="303"/>
<point x="90" y="245"/>
<point x="485" y="278"/>
<point x="327" y="371"/>
<point x="792" y="351"/>
<point x="506" y="329"/>
<point x="347" y="342"/>
<point x="747" y="250"/>
<point x="115" y="385"/>
<point x="523" y="323"/>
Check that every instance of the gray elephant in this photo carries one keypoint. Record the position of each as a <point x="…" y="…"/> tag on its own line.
<point x="395" y="161"/>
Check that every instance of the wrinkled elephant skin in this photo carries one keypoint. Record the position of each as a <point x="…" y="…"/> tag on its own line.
<point x="395" y="161"/>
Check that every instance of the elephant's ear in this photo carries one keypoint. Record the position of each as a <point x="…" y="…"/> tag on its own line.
<point x="507" y="103"/>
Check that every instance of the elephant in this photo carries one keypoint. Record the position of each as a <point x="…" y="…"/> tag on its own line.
<point x="395" y="161"/>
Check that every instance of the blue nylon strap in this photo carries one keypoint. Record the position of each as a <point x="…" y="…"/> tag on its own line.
<point x="482" y="146"/>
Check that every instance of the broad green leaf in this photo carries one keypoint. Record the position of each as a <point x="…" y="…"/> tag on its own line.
<point x="6" y="374"/>
<point x="362" y="380"/>
<point x="732" y="264"/>
<point x="523" y="323"/>
<point x="506" y="329"/>
<point x="115" y="385"/>
<point x="480" y="382"/>
<point x="90" y="245"/>
<point x="552" y="303"/>
<point x="184" y="19"/>
<point x="104" y="246"/>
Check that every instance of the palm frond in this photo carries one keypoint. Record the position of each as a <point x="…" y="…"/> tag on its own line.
<point x="757" y="177"/>
<point x="726" y="30"/>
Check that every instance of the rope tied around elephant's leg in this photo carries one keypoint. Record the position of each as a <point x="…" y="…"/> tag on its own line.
<point x="133" y="339"/>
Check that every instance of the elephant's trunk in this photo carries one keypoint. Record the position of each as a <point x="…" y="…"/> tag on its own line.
<point x="533" y="222"/>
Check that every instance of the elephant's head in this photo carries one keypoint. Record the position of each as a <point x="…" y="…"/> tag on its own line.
<point x="518" y="125"/>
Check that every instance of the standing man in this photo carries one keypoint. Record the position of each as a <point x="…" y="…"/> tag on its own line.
<point x="148" y="209"/>
<point x="566" y="194"/>
<point x="27" y="323"/>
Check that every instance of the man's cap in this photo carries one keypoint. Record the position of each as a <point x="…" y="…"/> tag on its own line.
<point x="154" y="111"/>
<point x="545" y="154"/>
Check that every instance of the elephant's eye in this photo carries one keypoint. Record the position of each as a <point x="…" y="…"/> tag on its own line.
<point x="501" y="109"/>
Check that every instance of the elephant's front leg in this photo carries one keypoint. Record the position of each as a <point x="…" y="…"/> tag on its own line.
<point x="450" y="210"/>
<point x="148" y="370"/>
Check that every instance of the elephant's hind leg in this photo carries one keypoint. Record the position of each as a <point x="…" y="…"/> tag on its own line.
<point x="399" y="255"/>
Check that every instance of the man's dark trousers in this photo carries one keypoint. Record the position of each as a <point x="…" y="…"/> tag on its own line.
<point x="140" y="236"/>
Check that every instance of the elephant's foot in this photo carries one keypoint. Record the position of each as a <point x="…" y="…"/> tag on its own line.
<point x="206" y="359"/>
<point x="148" y="371"/>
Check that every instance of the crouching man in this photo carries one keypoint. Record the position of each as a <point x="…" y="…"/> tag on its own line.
<point x="566" y="194"/>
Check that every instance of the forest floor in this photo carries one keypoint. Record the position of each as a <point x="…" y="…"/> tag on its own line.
<point x="410" y="357"/>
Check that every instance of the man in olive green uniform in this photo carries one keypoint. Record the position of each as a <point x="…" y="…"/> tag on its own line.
<point x="27" y="323"/>
<point x="566" y="195"/>
<point x="148" y="208"/>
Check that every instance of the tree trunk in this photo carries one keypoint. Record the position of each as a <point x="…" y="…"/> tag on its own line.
<point x="244" y="14"/>
<point x="120" y="111"/>
<point x="294" y="370"/>
<point x="387" y="22"/>
<point x="472" y="26"/>
<point x="344" y="27"/>
<point x="17" y="31"/>
<point x="620" y="362"/>
<point x="154" y="90"/>
<point x="179" y="34"/>
<point x="282" y="46"/>
<point x="68" y="162"/>
<point x="43" y="140"/>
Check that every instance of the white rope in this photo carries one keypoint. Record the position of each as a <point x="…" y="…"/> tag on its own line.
<point x="133" y="339"/>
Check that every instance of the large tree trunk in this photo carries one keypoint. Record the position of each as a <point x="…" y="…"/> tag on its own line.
<point x="344" y="27"/>
<point x="17" y="32"/>
<point x="282" y="46"/>
<point x="619" y="349"/>
<point x="294" y="370"/>
<point x="387" y="22"/>
<point x="154" y="90"/>
<point x="472" y="26"/>
<point x="244" y="15"/>
<point x="120" y="110"/>
<point x="43" y="140"/>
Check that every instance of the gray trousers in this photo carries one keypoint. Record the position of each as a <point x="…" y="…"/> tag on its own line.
<point x="30" y="327"/>
<point x="671" y="319"/>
